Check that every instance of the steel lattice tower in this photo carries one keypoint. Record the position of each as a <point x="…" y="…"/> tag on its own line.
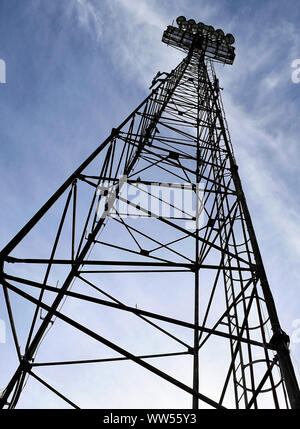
<point x="80" y="249"/>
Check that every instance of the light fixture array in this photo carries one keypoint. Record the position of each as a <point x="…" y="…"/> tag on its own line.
<point x="208" y="31"/>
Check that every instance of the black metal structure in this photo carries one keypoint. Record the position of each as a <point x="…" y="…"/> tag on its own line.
<point x="79" y="250"/>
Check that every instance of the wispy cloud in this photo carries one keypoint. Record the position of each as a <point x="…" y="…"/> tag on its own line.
<point x="89" y="17"/>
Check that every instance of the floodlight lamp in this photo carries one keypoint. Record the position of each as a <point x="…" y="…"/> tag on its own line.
<point x="184" y="26"/>
<point x="213" y="36"/>
<point x="205" y="30"/>
<point x="180" y="20"/>
<point x="229" y="39"/>
<point x="191" y="22"/>
<point x="198" y="38"/>
<point x="194" y="29"/>
<point x="220" y="34"/>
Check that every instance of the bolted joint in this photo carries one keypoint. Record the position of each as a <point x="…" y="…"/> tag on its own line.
<point x="194" y="267"/>
<point x="240" y="194"/>
<point x="10" y="259"/>
<point x="114" y="132"/>
<point x="174" y="155"/>
<point x="91" y="237"/>
<point x="26" y="365"/>
<point x="234" y="168"/>
<point x="280" y="340"/>
<point x="190" y="350"/>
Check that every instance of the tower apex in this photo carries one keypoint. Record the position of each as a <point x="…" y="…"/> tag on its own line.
<point x="214" y="43"/>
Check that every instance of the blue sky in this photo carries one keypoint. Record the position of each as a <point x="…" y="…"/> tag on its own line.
<point x="76" y="68"/>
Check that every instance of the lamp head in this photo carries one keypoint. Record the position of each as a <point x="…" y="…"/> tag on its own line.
<point x="229" y="39"/>
<point x="200" y="39"/>
<point x="180" y="20"/>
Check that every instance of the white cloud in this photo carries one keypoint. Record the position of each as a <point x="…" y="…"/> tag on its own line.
<point x="89" y="17"/>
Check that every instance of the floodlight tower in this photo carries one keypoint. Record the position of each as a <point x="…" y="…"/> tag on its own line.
<point x="199" y="268"/>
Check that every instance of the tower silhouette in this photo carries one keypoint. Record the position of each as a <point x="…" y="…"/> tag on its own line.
<point x="149" y="245"/>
